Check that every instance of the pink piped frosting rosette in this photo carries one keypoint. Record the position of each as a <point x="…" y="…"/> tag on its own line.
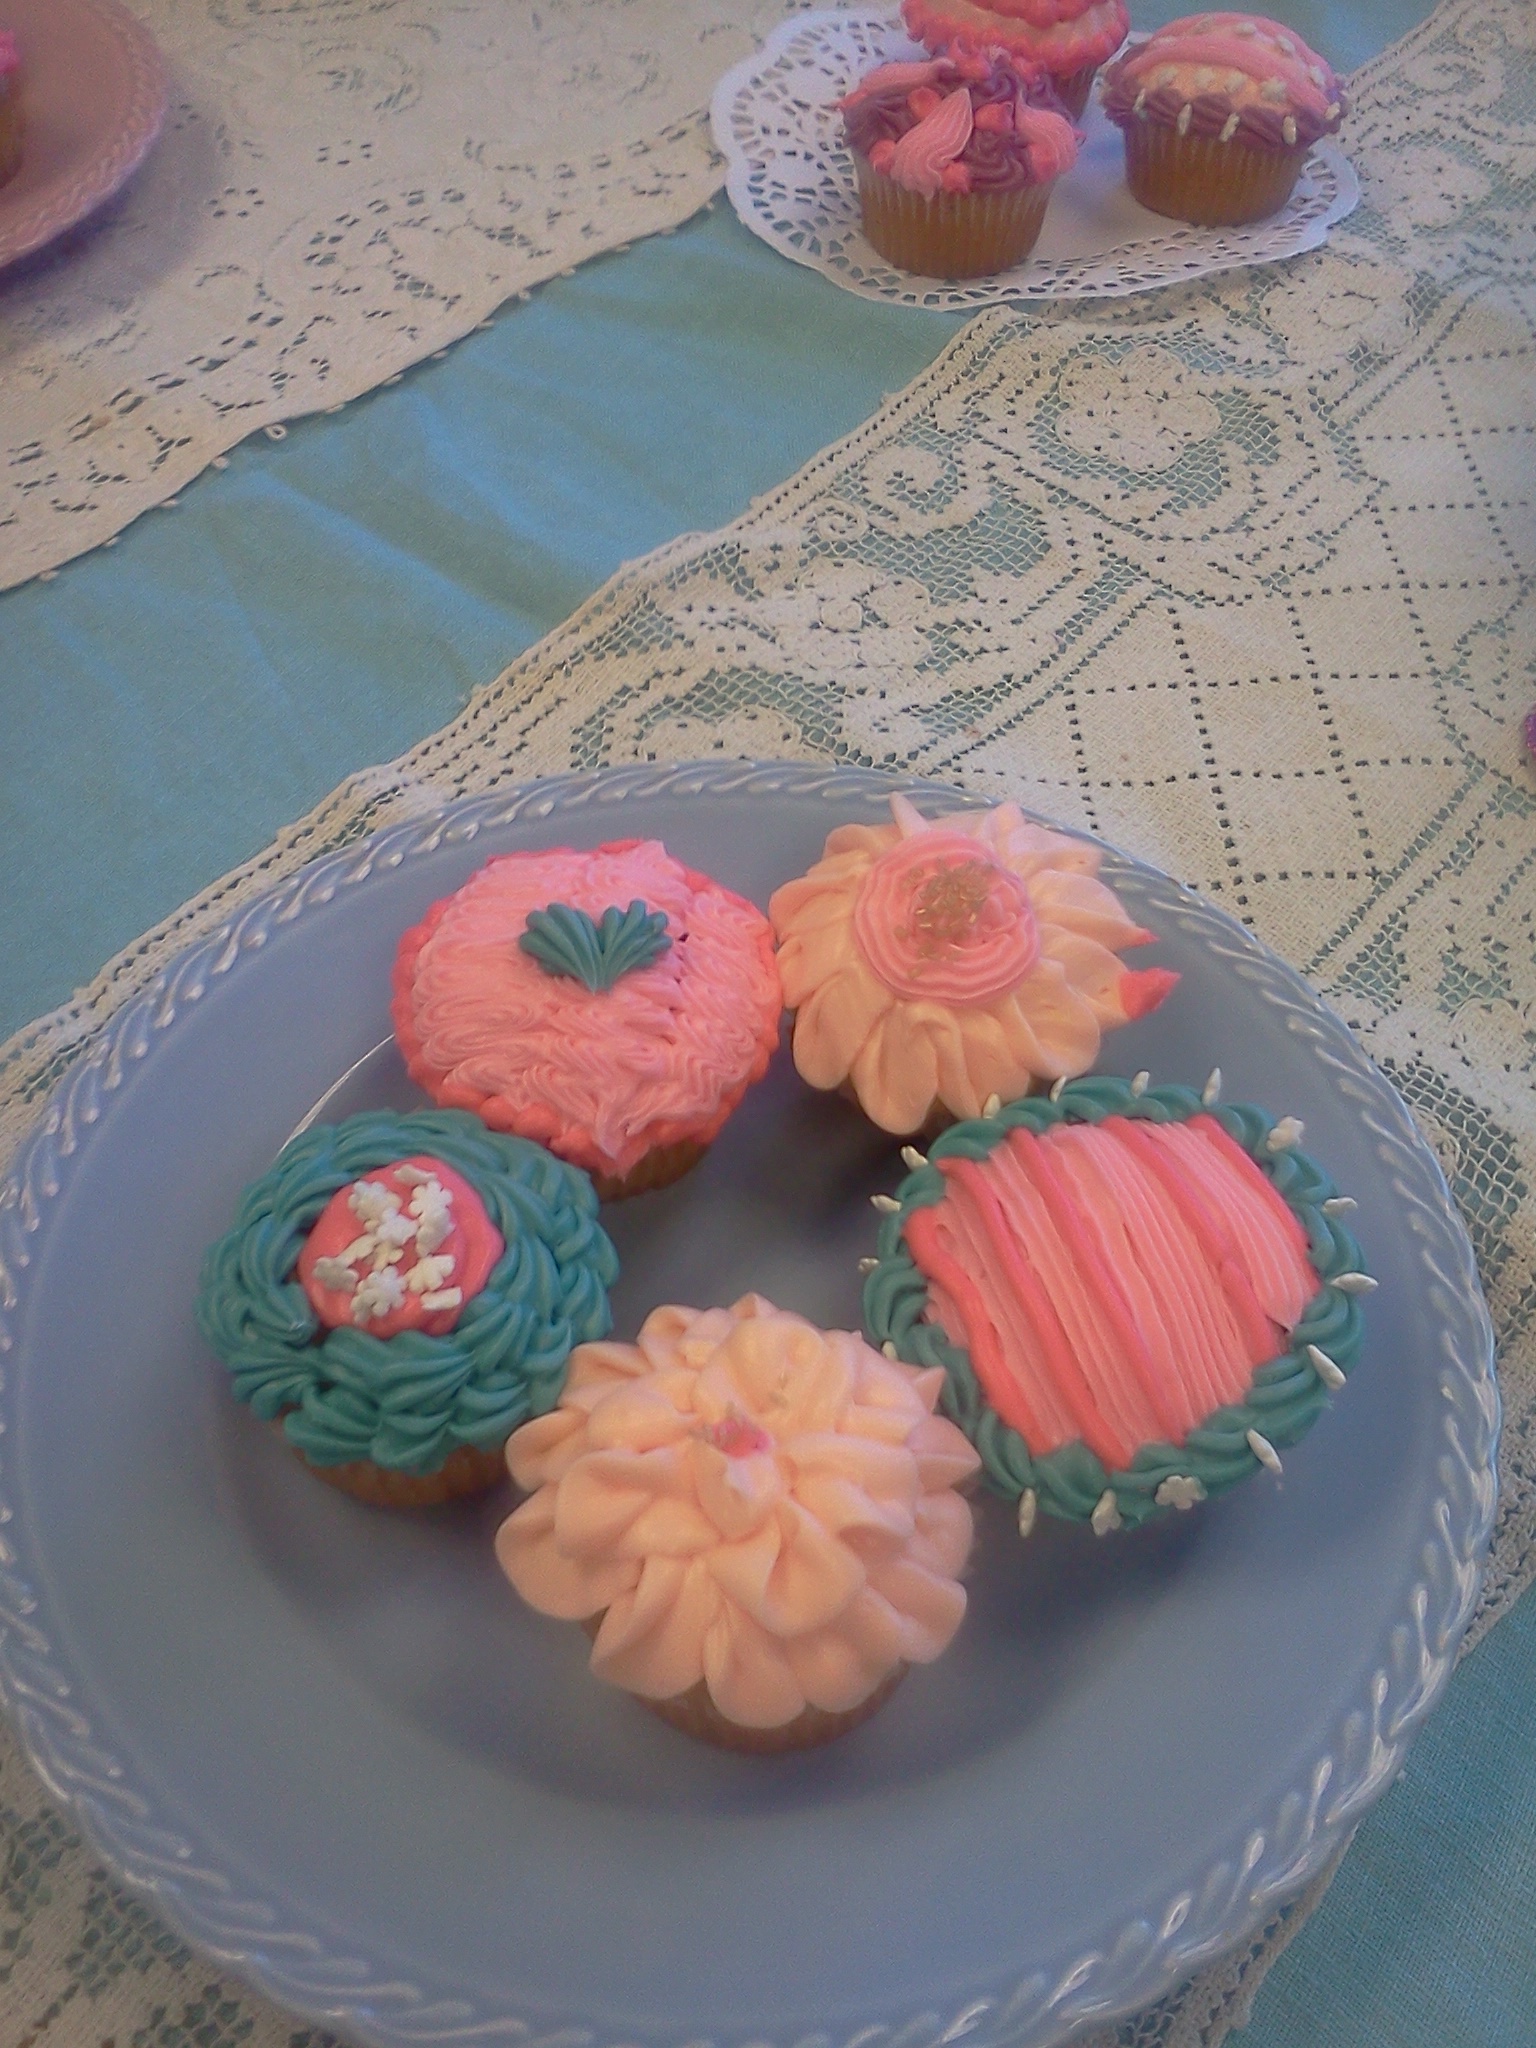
<point x="762" y="1514"/>
<point x="933" y="965"/>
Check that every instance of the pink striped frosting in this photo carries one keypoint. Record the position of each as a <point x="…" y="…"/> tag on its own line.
<point x="1114" y="1283"/>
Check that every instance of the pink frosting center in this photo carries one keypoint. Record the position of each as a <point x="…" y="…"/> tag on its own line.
<point x="1114" y="1284"/>
<point x="936" y="917"/>
<point x="403" y="1248"/>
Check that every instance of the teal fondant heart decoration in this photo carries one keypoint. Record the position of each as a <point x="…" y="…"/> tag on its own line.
<point x="569" y="942"/>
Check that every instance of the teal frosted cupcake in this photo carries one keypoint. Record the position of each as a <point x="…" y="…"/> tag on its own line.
<point x="399" y="1293"/>
<point x="1138" y="1297"/>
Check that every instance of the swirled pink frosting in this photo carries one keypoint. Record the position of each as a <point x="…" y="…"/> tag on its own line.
<point x="970" y="121"/>
<point x="1226" y="76"/>
<point x="746" y="1500"/>
<point x="939" y="963"/>
<point x="1059" y="36"/>
<point x="601" y="1077"/>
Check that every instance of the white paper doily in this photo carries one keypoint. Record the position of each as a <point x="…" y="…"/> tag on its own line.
<point x="790" y="178"/>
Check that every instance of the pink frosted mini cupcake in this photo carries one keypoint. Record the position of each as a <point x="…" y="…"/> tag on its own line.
<point x="934" y="965"/>
<point x="756" y="1519"/>
<point x="955" y="160"/>
<point x="1061" y="41"/>
<point x="1218" y="113"/>
<point x="611" y="1004"/>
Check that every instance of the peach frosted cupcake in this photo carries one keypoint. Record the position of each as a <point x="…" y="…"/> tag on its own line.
<point x="955" y="159"/>
<point x="756" y="1519"/>
<point x="611" y="1004"/>
<point x="1062" y="41"/>
<point x="1218" y="113"/>
<point x="933" y="965"/>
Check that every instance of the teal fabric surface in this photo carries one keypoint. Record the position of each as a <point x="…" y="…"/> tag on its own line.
<point x="326" y="601"/>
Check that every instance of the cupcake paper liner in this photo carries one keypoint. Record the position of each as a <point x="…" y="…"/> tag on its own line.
<point x="954" y="234"/>
<point x="1208" y="183"/>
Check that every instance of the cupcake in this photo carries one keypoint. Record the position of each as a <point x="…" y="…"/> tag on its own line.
<point x="1218" y="113"/>
<point x="756" y="1519"/>
<point x="955" y="159"/>
<point x="398" y="1293"/>
<point x="10" y="106"/>
<point x="1138" y="1297"/>
<point x="931" y="965"/>
<point x="611" y="1004"/>
<point x="1063" y="42"/>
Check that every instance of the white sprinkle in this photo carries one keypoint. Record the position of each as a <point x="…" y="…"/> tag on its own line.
<point x="359" y="1249"/>
<point x="1106" y="1513"/>
<point x="1056" y="1087"/>
<point x="1236" y="80"/>
<point x="913" y="1157"/>
<point x="1228" y="128"/>
<point x="1334" y="110"/>
<point x="1329" y="1373"/>
<point x="378" y="1295"/>
<point x="1273" y="90"/>
<point x="1286" y="1133"/>
<point x="1288" y="131"/>
<point x="1354" y="1283"/>
<point x="1179" y="1491"/>
<point x="1211" y="1092"/>
<point x="1139" y="1082"/>
<point x="1182" y="123"/>
<point x="1339" y="1205"/>
<point x="890" y="1350"/>
<point x="428" y="1275"/>
<point x="1285" y="43"/>
<point x="992" y="1105"/>
<point x="868" y="1265"/>
<point x="1244" y="28"/>
<point x="395" y="1228"/>
<point x="886" y="1204"/>
<point x="1205" y="79"/>
<point x="1028" y="1507"/>
<point x="335" y="1273"/>
<point x="1139" y="102"/>
<point x="414" y="1176"/>
<point x="449" y="1297"/>
<point x="1264" y="1451"/>
<point x="370" y="1199"/>
<point x="1315" y="73"/>
<point x="387" y="1255"/>
<point x="1165" y="74"/>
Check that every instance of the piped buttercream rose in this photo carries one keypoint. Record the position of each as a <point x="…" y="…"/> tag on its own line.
<point x="932" y="965"/>
<point x="749" y="1503"/>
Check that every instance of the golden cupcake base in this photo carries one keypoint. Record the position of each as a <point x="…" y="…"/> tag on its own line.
<point x="696" y="1714"/>
<point x="657" y="1169"/>
<point x="10" y="128"/>
<point x="954" y="234"/>
<point x="1208" y="183"/>
<point x="464" y="1472"/>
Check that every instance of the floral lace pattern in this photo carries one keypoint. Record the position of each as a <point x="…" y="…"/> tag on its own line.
<point x="272" y="278"/>
<point x="1239" y="575"/>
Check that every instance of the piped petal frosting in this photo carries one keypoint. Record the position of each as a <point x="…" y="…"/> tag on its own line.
<point x="789" y="1538"/>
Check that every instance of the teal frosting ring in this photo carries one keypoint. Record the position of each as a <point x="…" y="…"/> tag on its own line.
<point x="1285" y="1397"/>
<point x="407" y="1402"/>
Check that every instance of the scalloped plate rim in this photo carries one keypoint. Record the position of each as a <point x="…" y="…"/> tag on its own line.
<point x="1156" y="1964"/>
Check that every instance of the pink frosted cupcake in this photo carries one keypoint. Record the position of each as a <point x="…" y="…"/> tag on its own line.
<point x="955" y="159"/>
<point x="611" y="1004"/>
<point x="756" y="1519"/>
<point x="1218" y="113"/>
<point x="933" y="966"/>
<point x="1063" y="41"/>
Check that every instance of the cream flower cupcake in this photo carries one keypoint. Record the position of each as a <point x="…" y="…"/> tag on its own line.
<point x="933" y="965"/>
<point x="755" y="1518"/>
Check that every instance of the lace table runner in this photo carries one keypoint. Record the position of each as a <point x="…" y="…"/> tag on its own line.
<point x="1239" y="575"/>
<point x="342" y="187"/>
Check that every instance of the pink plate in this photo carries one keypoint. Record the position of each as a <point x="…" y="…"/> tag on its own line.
<point x="94" y="90"/>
